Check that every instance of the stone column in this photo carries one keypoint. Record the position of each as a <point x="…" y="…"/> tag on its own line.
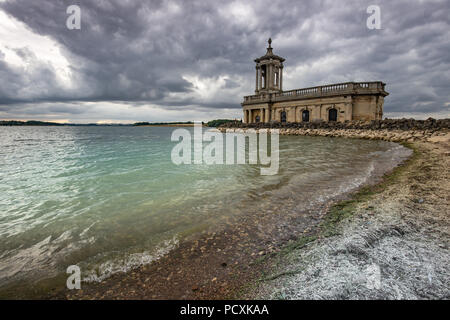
<point x="261" y="115"/>
<point x="261" y="78"/>
<point x="281" y="78"/>
<point x="256" y="80"/>
<point x="277" y="78"/>
<point x="270" y="77"/>
<point x="348" y="111"/>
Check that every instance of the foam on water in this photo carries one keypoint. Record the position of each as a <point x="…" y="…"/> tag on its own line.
<point x="129" y="262"/>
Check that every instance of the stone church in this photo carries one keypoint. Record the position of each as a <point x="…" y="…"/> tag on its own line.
<point x="335" y="102"/>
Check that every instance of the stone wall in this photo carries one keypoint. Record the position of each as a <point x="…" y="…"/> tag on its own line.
<point x="396" y="130"/>
<point x="388" y="124"/>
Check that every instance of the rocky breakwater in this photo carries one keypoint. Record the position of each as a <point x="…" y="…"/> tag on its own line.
<point x="395" y="130"/>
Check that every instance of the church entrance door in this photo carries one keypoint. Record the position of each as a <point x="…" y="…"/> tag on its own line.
<point x="283" y="116"/>
<point x="332" y="115"/>
<point x="305" y="116"/>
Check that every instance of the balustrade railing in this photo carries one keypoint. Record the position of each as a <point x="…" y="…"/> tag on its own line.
<point x="320" y="90"/>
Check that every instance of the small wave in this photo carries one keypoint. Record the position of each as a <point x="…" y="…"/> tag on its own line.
<point x="40" y="259"/>
<point x="31" y="258"/>
<point x="23" y="140"/>
<point x="85" y="231"/>
<point x="130" y="262"/>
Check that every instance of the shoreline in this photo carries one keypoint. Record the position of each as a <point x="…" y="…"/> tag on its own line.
<point x="166" y="125"/>
<point x="400" y="227"/>
<point x="209" y="267"/>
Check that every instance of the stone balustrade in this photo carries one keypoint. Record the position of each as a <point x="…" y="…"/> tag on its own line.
<point x="320" y="91"/>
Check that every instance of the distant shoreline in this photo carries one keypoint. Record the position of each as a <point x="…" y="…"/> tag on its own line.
<point x="167" y="125"/>
<point x="34" y="123"/>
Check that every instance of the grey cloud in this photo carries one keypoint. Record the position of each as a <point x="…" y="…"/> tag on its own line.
<point x="138" y="51"/>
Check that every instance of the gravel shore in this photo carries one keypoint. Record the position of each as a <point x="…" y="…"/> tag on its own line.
<point x="392" y="242"/>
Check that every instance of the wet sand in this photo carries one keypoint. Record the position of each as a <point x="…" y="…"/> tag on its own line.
<point x="400" y="228"/>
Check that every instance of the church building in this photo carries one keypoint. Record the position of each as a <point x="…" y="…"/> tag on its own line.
<point x="335" y="102"/>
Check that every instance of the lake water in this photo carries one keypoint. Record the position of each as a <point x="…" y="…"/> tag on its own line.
<point x="110" y="199"/>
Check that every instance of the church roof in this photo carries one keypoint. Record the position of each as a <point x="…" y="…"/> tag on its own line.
<point x="269" y="54"/>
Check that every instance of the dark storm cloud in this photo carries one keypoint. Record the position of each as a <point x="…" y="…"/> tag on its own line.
<point x="171" y="54"/>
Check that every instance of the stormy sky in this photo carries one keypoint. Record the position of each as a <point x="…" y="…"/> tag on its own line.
<point x="145" y="60"/>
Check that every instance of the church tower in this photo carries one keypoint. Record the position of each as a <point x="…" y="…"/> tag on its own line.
<point x="341" y="102"/>
<point x="269" y="72"/>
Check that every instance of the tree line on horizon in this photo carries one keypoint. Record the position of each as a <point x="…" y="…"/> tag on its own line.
<point x="212" y="123"/>
<point x="47" y="123"/>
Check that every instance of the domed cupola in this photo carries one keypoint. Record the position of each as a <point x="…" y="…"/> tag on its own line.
<point x="269" y="72"/>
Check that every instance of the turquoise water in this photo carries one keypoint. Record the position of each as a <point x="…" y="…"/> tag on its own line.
<point x="109" y="198"/>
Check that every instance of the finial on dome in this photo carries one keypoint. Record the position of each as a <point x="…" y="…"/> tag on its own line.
<point x="270" y="42"/>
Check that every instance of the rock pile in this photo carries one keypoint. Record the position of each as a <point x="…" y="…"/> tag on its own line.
<point x="396" y="130"/>
<point x="386" y="124"/>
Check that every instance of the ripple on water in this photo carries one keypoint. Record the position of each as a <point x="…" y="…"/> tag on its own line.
<point x="109" y="199"/>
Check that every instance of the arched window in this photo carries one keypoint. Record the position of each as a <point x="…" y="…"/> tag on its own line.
<point x="332" y="114"/>
<point x="283" y="116"/>
<point x="305" y="116"/>
<point x="263" y="76"/>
